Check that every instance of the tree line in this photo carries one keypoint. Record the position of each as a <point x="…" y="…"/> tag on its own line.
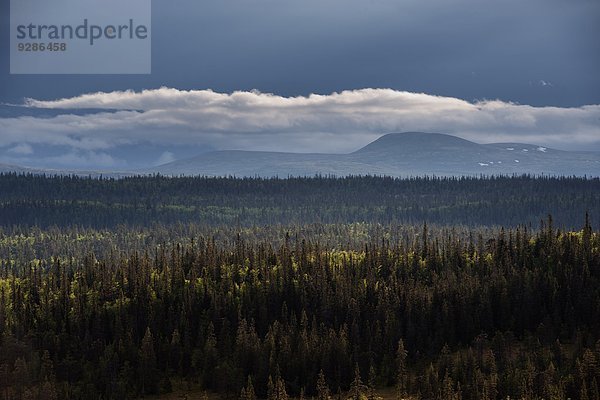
<point x="64" y="201"/>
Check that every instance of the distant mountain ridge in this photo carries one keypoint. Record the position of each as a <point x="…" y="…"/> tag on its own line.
<point x="414" y="141"/>
<point x="10" y="168"/>
<point x="395" y="154"/>
<point x="18" y="169"/>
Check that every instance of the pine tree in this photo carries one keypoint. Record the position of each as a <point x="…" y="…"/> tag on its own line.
<point x="447" y="391"/>
<point x="47" y="367"/>
<point x="583" y="392"/>
<point x="276" y="389"/>
<point x="148" y="364"/>
<point x="248" y="391"/>
<point x="20" y="377"/>
<point x="280" y="390"/>
<point x="271" y="390"/>
<point x="357" y="387"/>
<point x="401" y="375"/>
<point x="371" y="383"/>
<point x="322" y="388"/>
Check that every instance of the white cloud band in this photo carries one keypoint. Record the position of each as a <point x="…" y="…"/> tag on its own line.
<point x="338" y="122"/>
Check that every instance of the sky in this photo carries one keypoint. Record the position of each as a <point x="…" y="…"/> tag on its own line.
<point x="317" y="76"/>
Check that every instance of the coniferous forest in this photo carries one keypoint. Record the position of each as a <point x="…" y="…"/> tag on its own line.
<point x="326" y="288"/>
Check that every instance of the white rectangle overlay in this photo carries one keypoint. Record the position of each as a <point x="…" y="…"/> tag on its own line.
<point x="80" y="37"/>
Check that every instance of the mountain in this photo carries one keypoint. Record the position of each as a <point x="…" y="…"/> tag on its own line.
<point x="395" y="154"/>
<point x="15" y="168"/>
<point x="6" y="168"/>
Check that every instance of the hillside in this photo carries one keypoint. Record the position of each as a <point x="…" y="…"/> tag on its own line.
<point x="398" y="155"/>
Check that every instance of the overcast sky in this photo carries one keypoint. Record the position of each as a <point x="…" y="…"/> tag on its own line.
<point x="487" y="71"/>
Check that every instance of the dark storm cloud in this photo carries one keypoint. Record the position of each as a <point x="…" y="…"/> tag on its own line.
<point x="466" y="49"/>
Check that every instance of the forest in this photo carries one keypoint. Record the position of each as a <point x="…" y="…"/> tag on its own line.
<point x="325" y="288"/>
<point x="509" y="201"/>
